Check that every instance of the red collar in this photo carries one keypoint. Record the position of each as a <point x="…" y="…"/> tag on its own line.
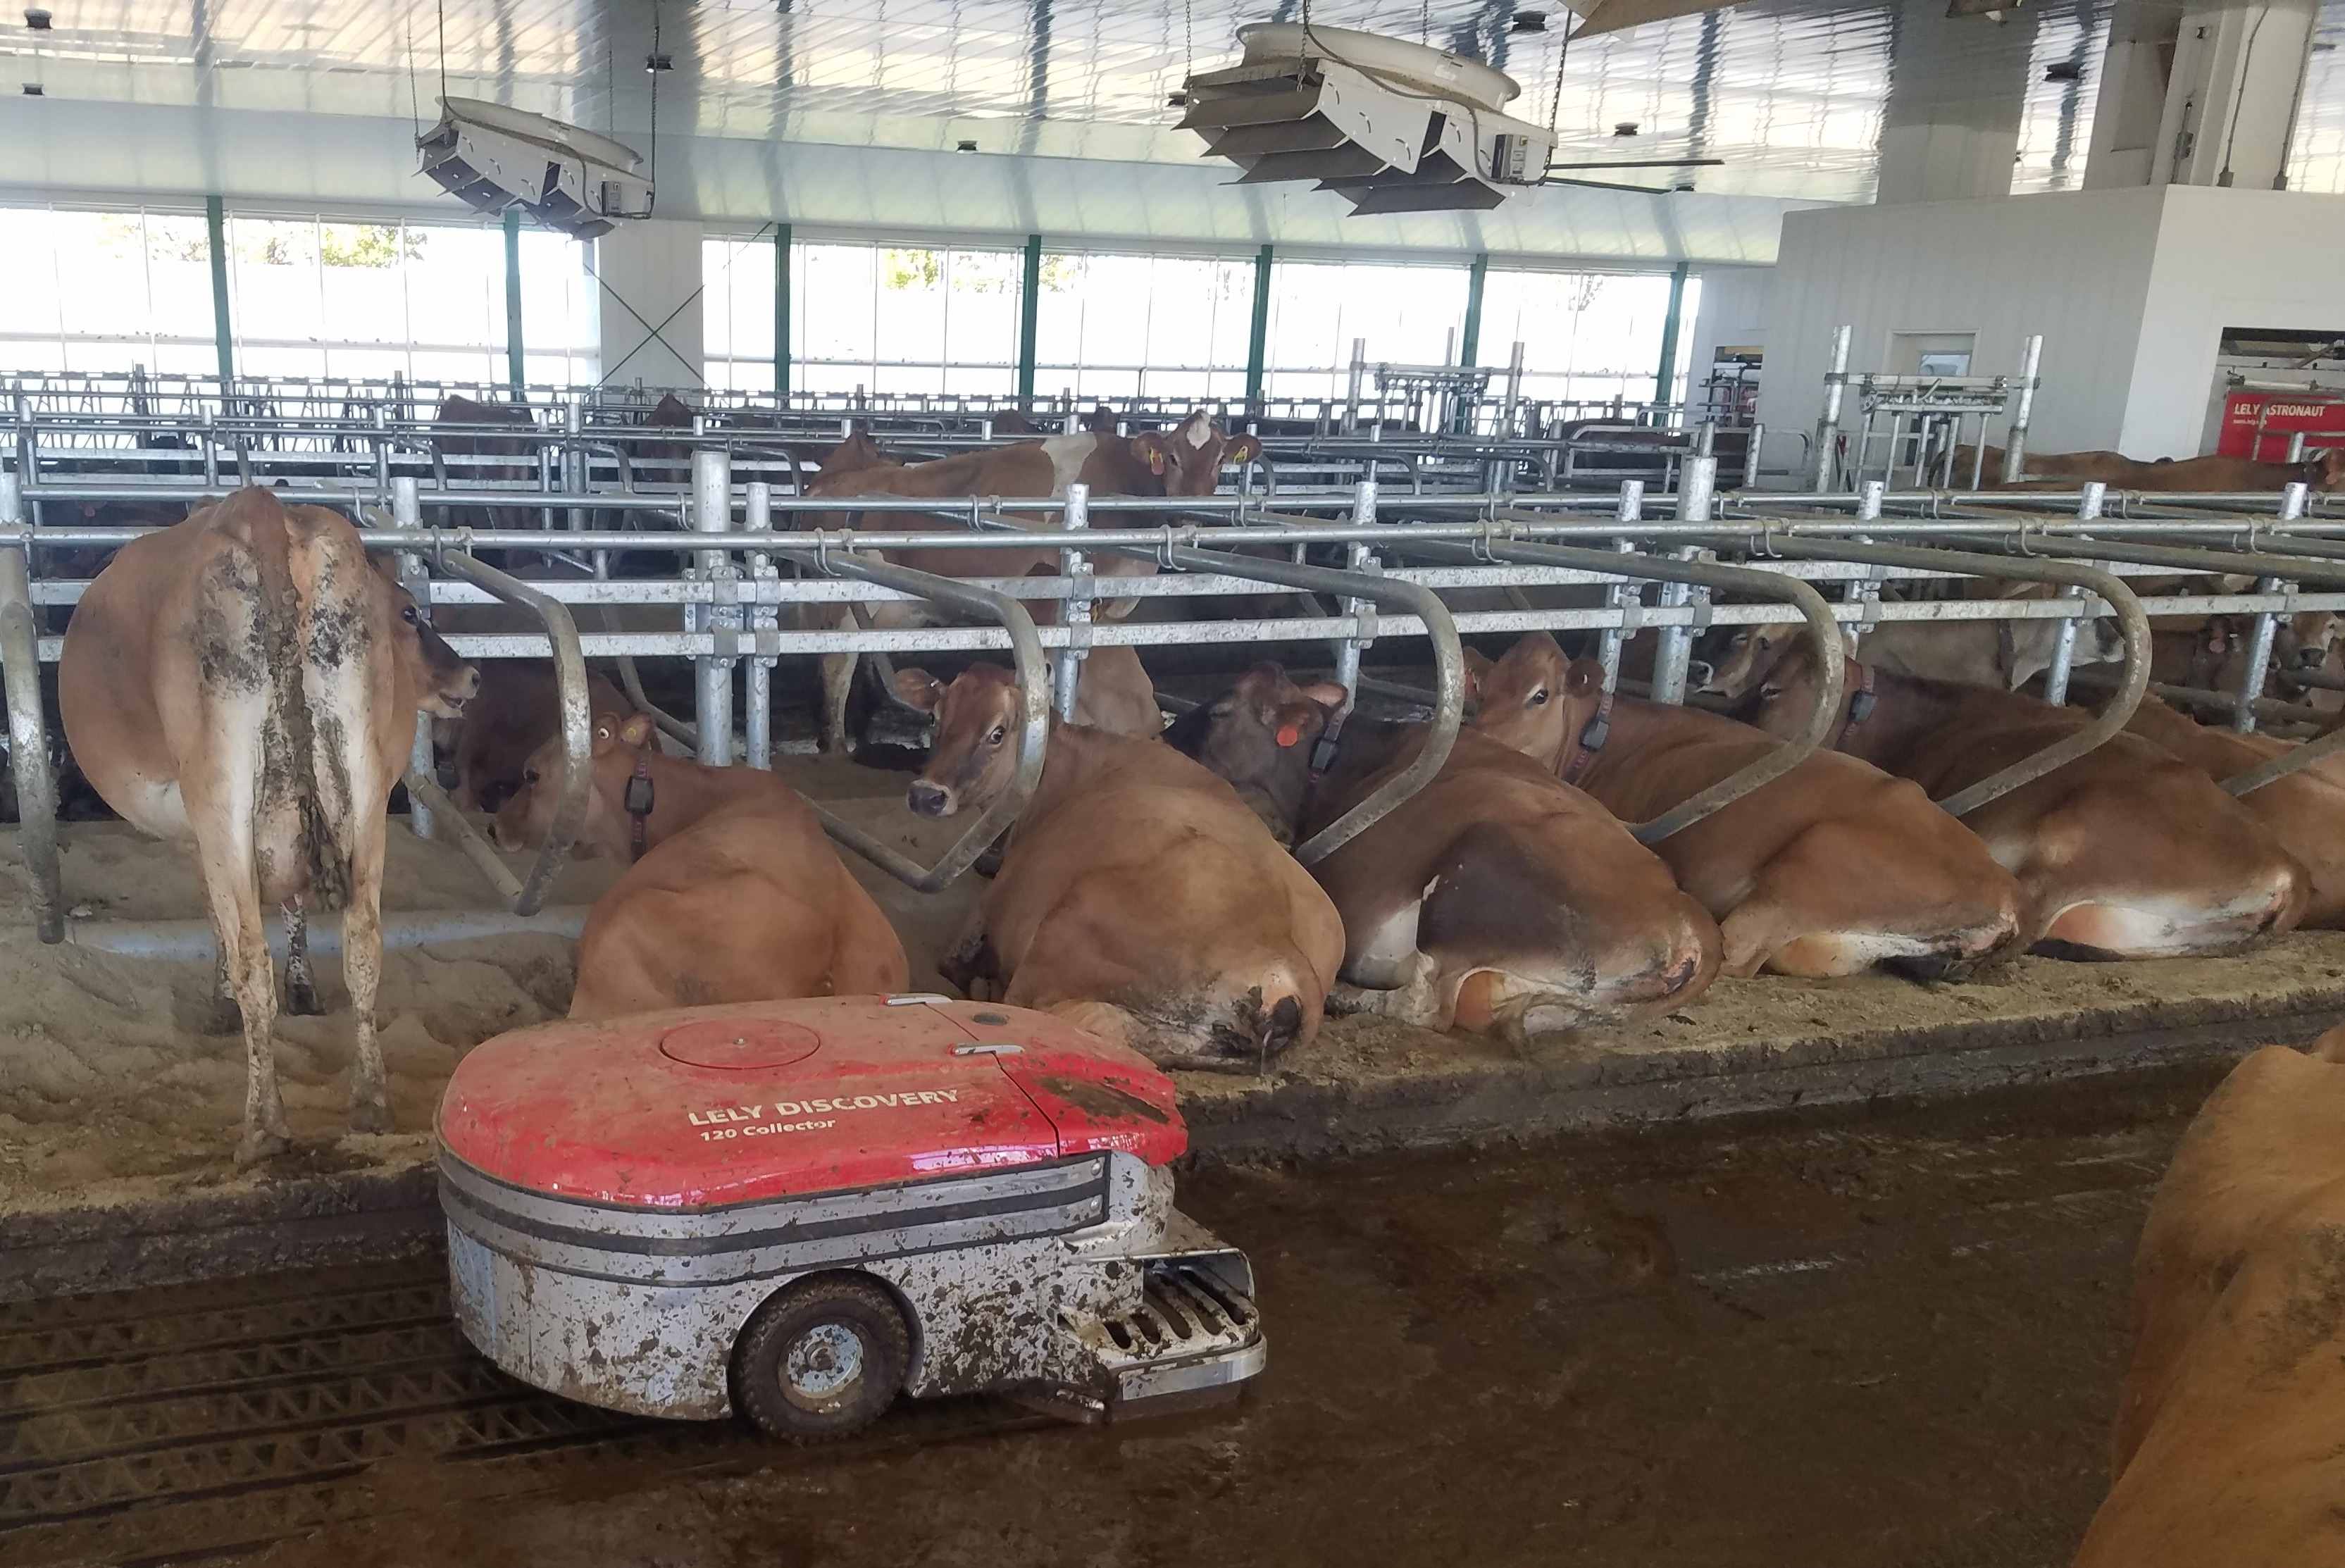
<point x="1859" y="708"/>
<point x="638" y="803"/>
<point x="1589" y="741"/>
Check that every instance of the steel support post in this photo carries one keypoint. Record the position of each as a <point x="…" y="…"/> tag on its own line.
<point x="1030" y="308"/>
<point x="1469" y="342"/>
<point x="28" y="738"/>
<point x="407" y="512"/>
<point x="1075" y="613"/>
<point x="223" y="327"/>
<point x="1622" y="594"/>
<point x="757" y="669"/>
<point x="1347" y="652"/>
<point x="516" y="370"/>
<point x="2015" y="441"/>
<point x="2259" y="651"/>
<point x="781" y="314"/>
<point x="1696" y="489"/>
<point x="1258" y="334"/>
<point x="1819" y="459"/>
<point x="712" y="513"/>
<point x="1665" y="377"/>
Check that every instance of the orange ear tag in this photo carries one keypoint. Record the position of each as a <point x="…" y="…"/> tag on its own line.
<point x="1288" y="734"/>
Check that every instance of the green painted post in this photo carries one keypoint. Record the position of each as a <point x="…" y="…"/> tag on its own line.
<point x="1030" y="312"/>
<point x="1469" y="344"/>
<point x="223" y="329"/>
<point x="1665" y="379"/>
<point x="1258" y="337"/>
<point x="515" y="371"/>
<point x="781" y="312"/>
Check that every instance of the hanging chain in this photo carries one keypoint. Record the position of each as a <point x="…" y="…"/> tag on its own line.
<point x="1555" y="98"/>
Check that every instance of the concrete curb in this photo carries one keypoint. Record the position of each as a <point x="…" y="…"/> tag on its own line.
<point x="1366" y="1085"/>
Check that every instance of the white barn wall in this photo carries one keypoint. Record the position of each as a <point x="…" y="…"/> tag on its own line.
<point x="1734" y="307"/>
<point x="2074" y="266"/>
<point x="2226" y="258"/>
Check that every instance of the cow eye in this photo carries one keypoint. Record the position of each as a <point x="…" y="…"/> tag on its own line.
<point x="529" y="775"/>
<point x="409" y="615"/>
<point x="1770" y="693"/>
<point x="1538" y="698"/>
<point x="1001" y="732"/>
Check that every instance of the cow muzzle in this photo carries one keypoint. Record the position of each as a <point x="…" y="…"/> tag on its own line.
<point x="927" y="800"/>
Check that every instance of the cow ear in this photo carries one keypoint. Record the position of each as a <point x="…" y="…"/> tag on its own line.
<point x="1153" y="448"/>
<point x="919" y="689"/>
<point x="1478" y="670"/>
<point x="1584" y="677"/>
<point x="605" y="734"/>
<point x="1242" y="449"/>
<point x="637" y="732"/>
<point x="1327" y="694"/>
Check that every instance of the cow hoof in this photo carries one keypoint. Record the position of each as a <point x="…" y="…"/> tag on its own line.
<point x="371" y="1116"/>
<point x="301" y="1002"/>
<point x="259" y="1144"/>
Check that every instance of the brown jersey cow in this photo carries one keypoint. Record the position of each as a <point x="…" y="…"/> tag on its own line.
<point x="1186" y="460"/>
<point x="1827" y="870"/>
<point x="246" y="683"/>
<point x="2219" y="475"/>
<point x="1138" y="897"/>
<point x="1496" y="898"/>
<point x="2125" y="853"/>
<point x="2305" y="810"/>
<point x="516" y="711"/>
<point x="735" y="894"/>
<point x="2229" y="1450"/>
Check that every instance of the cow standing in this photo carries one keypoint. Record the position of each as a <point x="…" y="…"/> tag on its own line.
<point x="1138" y="897"/>
<point x="246" y="682"/>
<point x="1496" y="899"/>
<point x="1186" y="460"/>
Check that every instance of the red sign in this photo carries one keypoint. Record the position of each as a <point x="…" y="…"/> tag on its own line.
<point x="2258" y="424"/>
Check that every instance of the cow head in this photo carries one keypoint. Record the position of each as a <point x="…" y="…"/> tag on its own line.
<point x="1740" y="655"/>
<point x="1785" y="695"/>
<point x="975" y="752"/>
<point x="527" y="815"/>
<point x="2304" y="639"/>
<point x="442" y="680"/>
<point x="1259" y="736"/>
<point x="1535" y="701"/>
<point x="1189" y="458"/>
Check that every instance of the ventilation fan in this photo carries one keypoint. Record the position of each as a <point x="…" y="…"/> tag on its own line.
<point x="493" y="157"/>
<point x="1391" y="126"/>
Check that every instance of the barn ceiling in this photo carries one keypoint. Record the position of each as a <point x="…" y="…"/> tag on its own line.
<point x="1789" y="93"/>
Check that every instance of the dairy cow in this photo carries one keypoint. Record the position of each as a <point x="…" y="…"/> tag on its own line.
<point x="2125" y="853"/>
<point x="732" y="891"/>
<point x="1138" y="896"/>
<point x="1828" y="870"/>
<point x="246" y="683"/>
<point x="1495" y="899"/>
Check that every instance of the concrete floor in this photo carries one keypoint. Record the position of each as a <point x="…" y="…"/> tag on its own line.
<point x="1868" y="1335"/>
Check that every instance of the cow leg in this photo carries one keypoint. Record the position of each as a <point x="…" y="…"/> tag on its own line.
<point x="224" y="1017"/>
<point x="972" y="967"/>
<point x="300" y="984"/>
<point x="1416" y="1000"/>
<point x="234" y="908"/>
<point x="363" y="972"/>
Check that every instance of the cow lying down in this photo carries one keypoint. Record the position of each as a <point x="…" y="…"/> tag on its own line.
<point x="2305" y="810"/>
<point x="1138" y="897"/>
<point x="734" y="894"/>
<point x="2230" y="1434"/>
<point x="2125" y="853"/>
<point x="1827" y="870"/>
<point x="1496" y="898"/>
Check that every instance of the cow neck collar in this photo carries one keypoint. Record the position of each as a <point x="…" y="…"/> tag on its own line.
<point x="1859" y="708"/>
<point x="1588" y="741"/>
<point x="637" y="800"/>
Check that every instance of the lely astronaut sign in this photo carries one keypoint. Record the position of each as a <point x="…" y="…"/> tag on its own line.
<point x="745" y="1121"/>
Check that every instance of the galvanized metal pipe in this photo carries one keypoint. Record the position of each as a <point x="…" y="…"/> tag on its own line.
<point x="758" y="671"/>
<point x="29" y="735"/>
<point x="2015" y="441"/>
<point x="712" y="513"/>
<point x="2259" y="663"/>
<point x="192" y="940"/>
<point x="2133" y="625"/>
<point x="1820" y="460"/>
<point x="1076" y="614"/>
<point x="1811" y="606"/>
<point x="407" y="512"/>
